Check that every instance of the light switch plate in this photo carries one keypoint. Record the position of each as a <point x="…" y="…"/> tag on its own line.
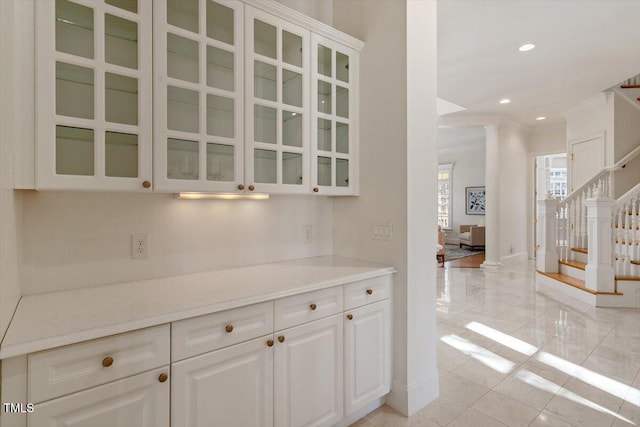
<point x="381" y="230"/>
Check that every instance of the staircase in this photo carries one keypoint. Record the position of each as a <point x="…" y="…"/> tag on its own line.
<point x="630" y="89"/>
<point x="590" y="243"/>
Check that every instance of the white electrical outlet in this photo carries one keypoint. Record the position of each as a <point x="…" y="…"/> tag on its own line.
<point x="308" y="233"/>
<point x="139" y="245"/>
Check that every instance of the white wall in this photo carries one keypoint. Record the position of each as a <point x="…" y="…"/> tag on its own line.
<point x="322" y="10"/>
<point x="389" y="158"/>
<point x="626" y="127"/>
<point x="591" y="119"/>
<point x="548" y="140"/>
<point x="514" y="199"/>
<point x="74" y="240"/>
<point x="468" y="171"/>
<point x="9" y="131"/>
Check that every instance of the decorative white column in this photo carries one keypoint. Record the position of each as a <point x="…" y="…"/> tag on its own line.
<point x="547" y="254"/>
<point x="599" y="273"/>
<point x="492" y="191"/>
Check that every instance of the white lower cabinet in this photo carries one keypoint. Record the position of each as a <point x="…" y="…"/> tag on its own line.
<point x="229" y="368"/>
<point x="141" y="401"/>
<point x="308" y="374"/>
<point x="367" y="354"/>
<point x="228" y="387"/>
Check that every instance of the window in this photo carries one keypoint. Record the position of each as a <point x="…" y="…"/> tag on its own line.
<point x="558" y="182"/>
<point x="445" y="180"/>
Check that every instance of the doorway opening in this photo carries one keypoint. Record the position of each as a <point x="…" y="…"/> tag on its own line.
<point x="551" y="178"/>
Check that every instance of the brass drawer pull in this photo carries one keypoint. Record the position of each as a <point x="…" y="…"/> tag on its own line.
<point x="163" y="377"/>
<point x="107" y="361"/>
<point x="313" y="306"/>
<point x="281" y="338"/>
<point x="228" y="328"/>
<point x="269" y="343"/>
<point x="350" y="316"/>
<point x="369" y="291"/>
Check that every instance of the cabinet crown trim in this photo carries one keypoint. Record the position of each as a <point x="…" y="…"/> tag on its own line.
<point x="284" y="12"/>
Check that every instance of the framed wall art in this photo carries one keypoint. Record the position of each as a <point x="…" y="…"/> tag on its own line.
<point x="475" y="200"/>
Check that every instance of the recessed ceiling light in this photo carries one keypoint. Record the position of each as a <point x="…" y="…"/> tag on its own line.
<point x="526" y="47"/>
<point x="540" y="118"/>
<point x="505" y="101"/>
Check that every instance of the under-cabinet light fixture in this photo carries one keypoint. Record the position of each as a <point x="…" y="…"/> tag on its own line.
<point x="221" y="196"/>
<point x="526" y="47"/>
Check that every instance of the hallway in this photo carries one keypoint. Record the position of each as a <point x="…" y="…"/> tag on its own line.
<point x="510" y="357"/>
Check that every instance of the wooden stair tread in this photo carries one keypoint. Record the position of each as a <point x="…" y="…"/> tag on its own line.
<point x="574" y="264"/>
<point x="629" y="86"/>
<point x="635" y="262"/>
<point x="581" y="250"/>
<point x="630" y="278"/>
<point x="576" y="283"/>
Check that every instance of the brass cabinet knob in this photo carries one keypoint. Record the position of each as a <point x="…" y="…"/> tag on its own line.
<point x="313" y="306"/>
<point x="269" y="343"/>
<point x="240" y="187"/>
<point x="251" y="188"/>
<point x="281" y="338"/>
<point x="369" y="291"/>
<point x="350" y="316"/>
<point x="146" y="184"/>
<point x="316" y="189"/>
<point x="228" y="328"/>
<point x="107" y="361"/>
<point x="163" y="377"/>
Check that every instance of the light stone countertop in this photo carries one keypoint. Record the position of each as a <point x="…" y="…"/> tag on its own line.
<point x="55" y="319"/>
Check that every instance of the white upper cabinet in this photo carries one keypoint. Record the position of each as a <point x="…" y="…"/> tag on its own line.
<point x="334" y="118"/>
<point x="198" y="105"/>
<point x="277" y="63"/>
<point x="248" y="96"/>
<point x="93" y="95"/>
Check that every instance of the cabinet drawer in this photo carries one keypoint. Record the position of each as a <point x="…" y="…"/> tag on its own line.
<point x="367" y="291"/>
<point x="298" y="309"/>
<point x="65" y="370"/>
<point x="140" y="401"/>
<point x="206" y="333"/>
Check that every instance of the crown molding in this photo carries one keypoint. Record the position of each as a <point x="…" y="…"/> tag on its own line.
<point x="282" y="11"/>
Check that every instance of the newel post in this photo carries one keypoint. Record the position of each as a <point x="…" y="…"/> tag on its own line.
<point x="547" y="254"/>
<point x="599" y="273"/>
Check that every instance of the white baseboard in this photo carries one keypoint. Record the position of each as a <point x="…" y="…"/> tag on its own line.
<point x="361" y="413"/>
<point x="409" y="399"/>
<point x="520" y="256"/>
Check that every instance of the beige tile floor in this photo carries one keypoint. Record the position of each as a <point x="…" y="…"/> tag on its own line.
<point x="508" y="356"/>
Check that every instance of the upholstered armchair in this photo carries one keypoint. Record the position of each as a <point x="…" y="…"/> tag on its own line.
<point x="441" y="244"/>
<point x="472" y="236"/>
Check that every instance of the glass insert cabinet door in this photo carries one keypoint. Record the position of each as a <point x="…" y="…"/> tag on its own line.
<point x="93" y="91"/>
<point x="334" y="94"/>
<point x="198" y="108"/>
<point x="277" y="119"/>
